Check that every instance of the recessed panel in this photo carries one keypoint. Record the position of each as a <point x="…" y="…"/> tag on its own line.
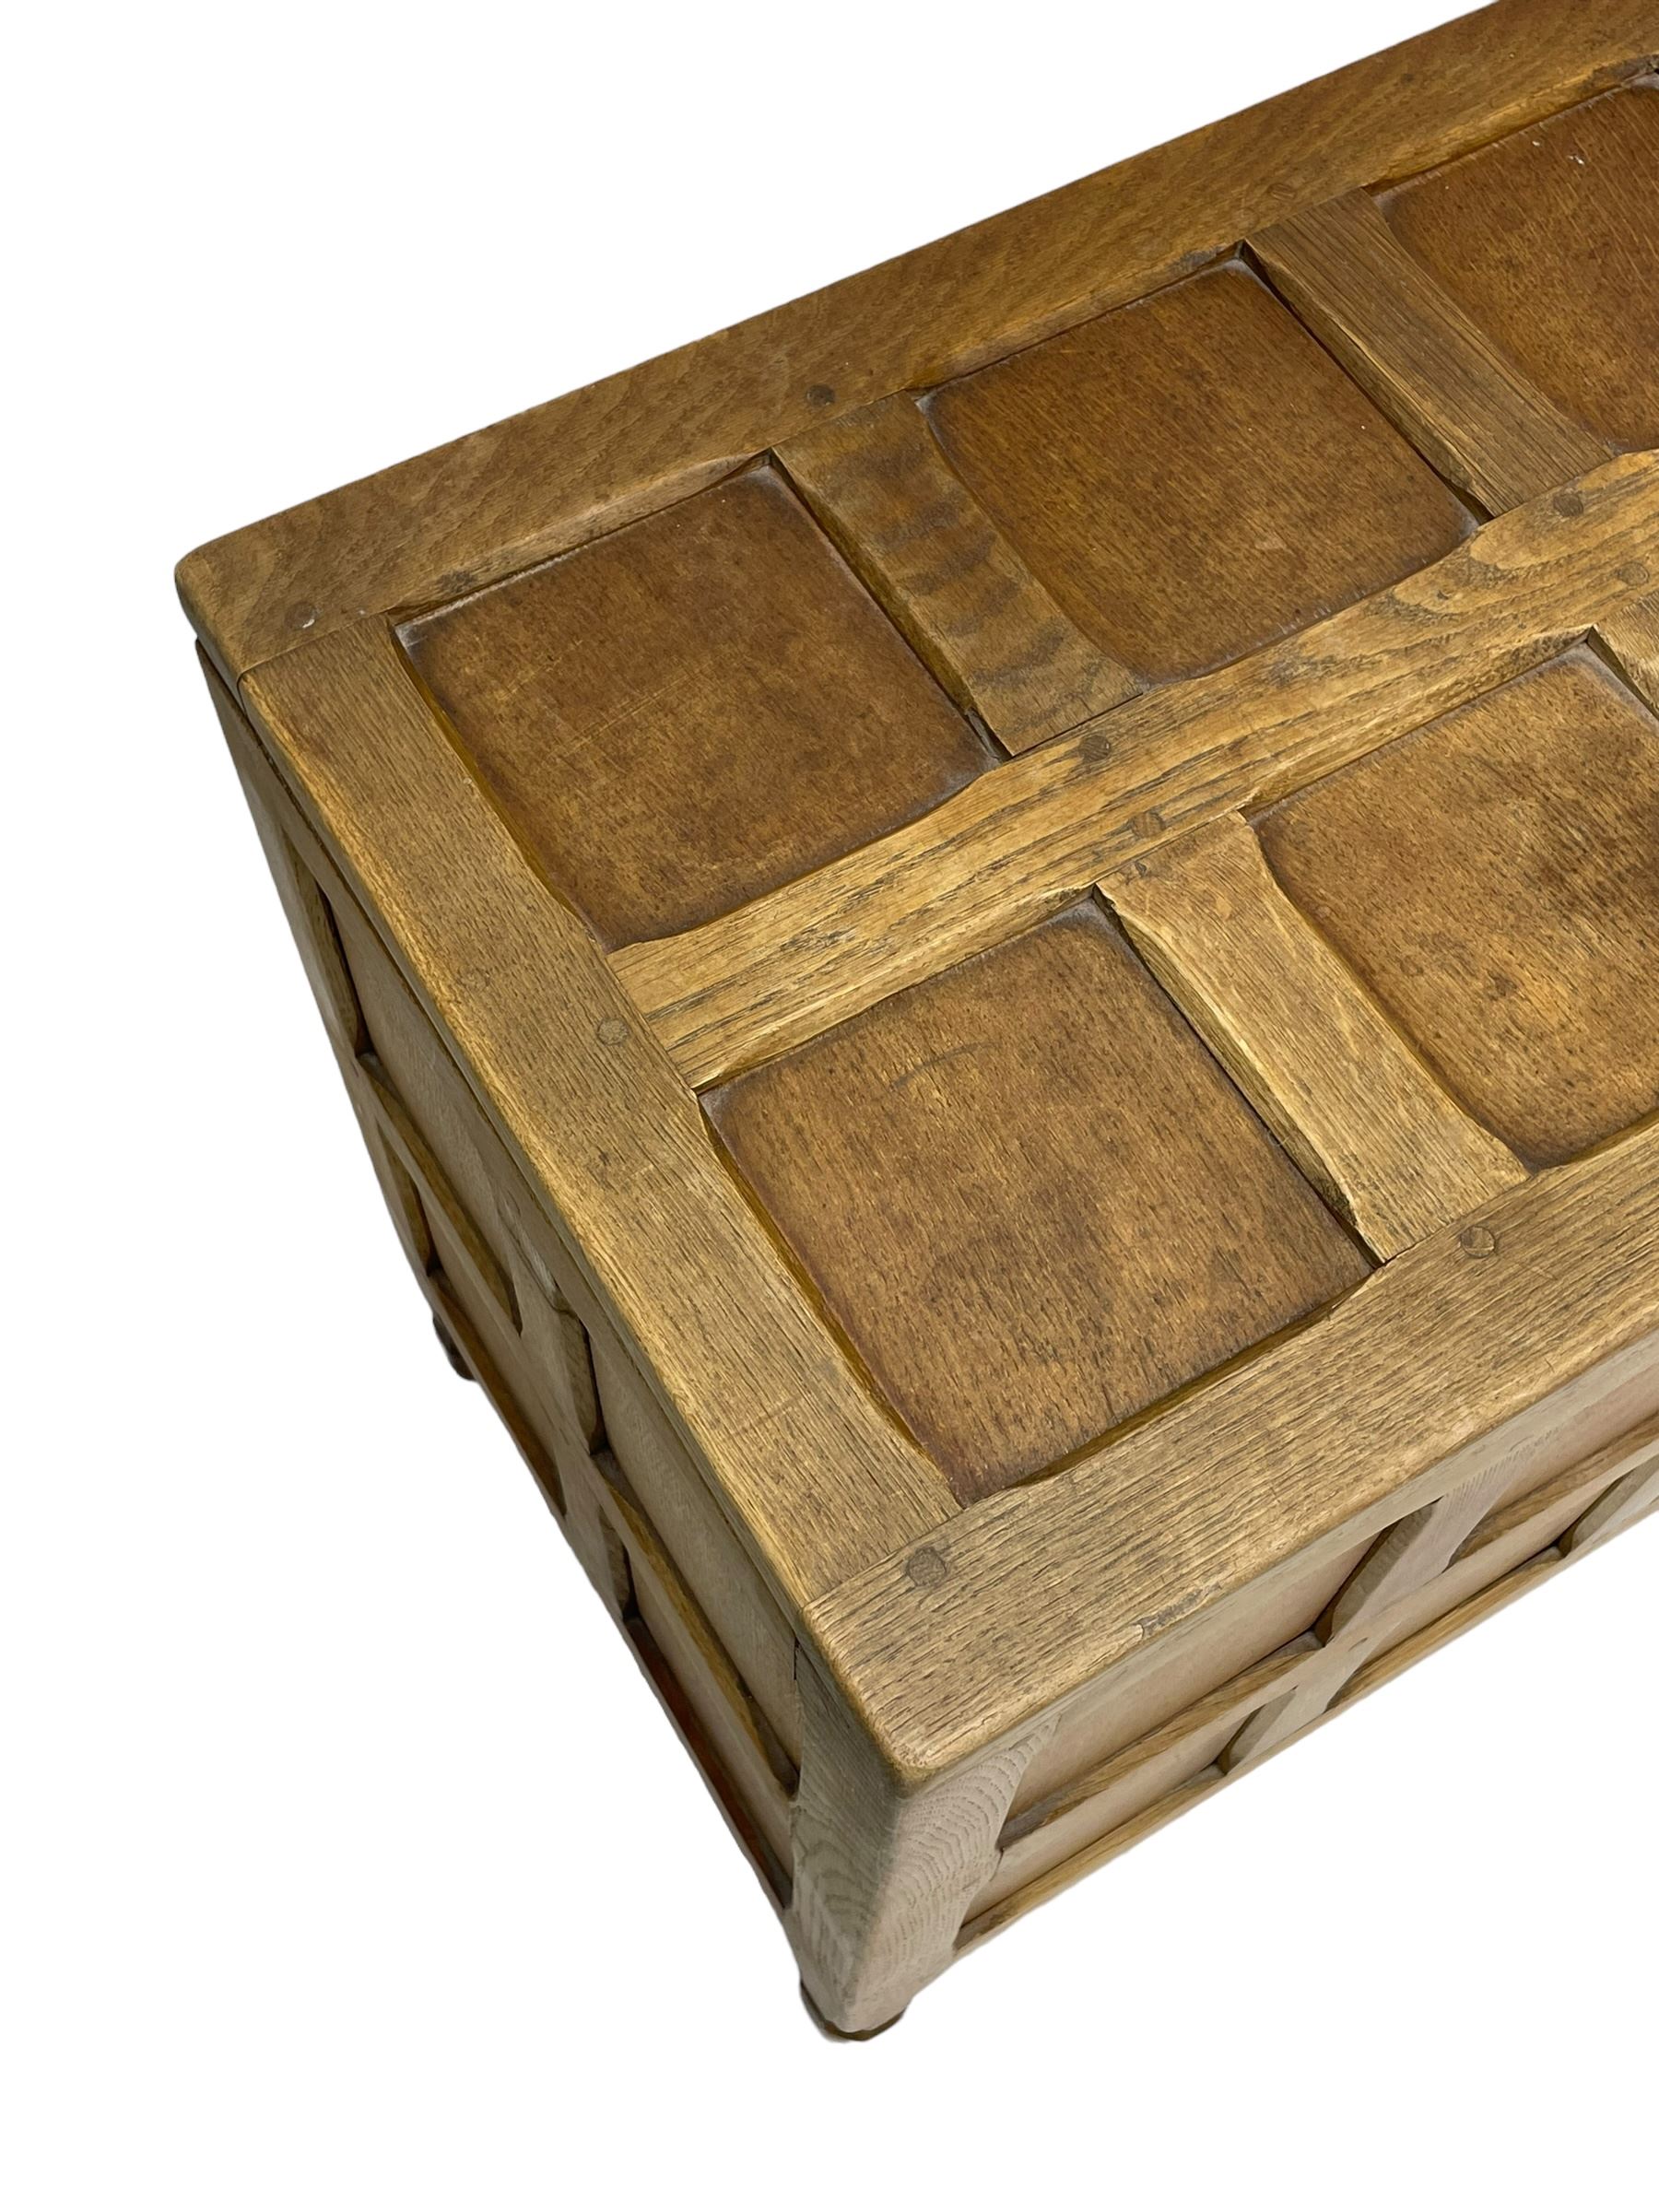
<point x="1192" y="475"/>
<point x="1495" y="879"/>
<point x="1031" y="1199"/>
<point x="1550" y="239"/>
<point x="689" y="712"/>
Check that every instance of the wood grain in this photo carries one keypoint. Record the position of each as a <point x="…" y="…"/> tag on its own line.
<point x="660" y="1474"/>
<point x="1031" y="1200"/>
<point x="1025" y="838"/>
<point x="1550" y="241"/>
<point x="745" y="1755"/>
<point x="444" y="1211"/>
<point x="1285" y="1715"/>
<point x="1136" y="1777"/>
<point x="980" y="1215"/>
<point x="1426" y="362"/>
<point x="537" y="1370"/>
<point x="1494" y="881"/>
<point x="1631" y="634"/>
<point x="1354" y="1105"/>
<point x="536" y="1377"/>
<point x="1422" y="1571"/>
<point x="1526" y="1532"/>
<point x="1176" y="1765"/>
<point x="1114" y="1711"/>
<point x="1192" y="476"/>
<point x="1484" y="1521"/>
<point x="1630" y="1500"/>
<point x="780" y="1427"/>
<point x="1206" y="1782"/>
<point x="1597" y="1474"/>
<point x="884" y="1875"/>
<point x="497" y="501"/>
<point x="997" y="640"/>
<point x="1342" y="1425"/>
<point x="692" y="711"/>
<point x="1412" y="1554"/>
<point x="404" y="1046"/>
<point x="310" y="917"/>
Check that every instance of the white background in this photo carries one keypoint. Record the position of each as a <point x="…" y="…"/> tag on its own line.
<point x="346" y="1861"/>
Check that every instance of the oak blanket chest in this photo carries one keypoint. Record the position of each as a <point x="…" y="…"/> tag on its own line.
<point x="996" y="940"/>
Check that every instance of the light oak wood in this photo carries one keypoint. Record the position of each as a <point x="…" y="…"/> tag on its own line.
<point x="571" y="1091"/>
<point x="502" y="499"/>
<point x="1628" y="1501"/>
<point x="1492" y="879"/>
<point x="1192" y="477"/>
<point x="1025" y="838"/>
<point x="885" y="1872"/>
<point x="1428" y="365"/>
<point x="758" y="1780"/>
<point x="990" y="633"/>
<point x="1630" y="635"/>
<point x="691" y="711"/>
<point x="1539" y="1521"/>
<point x="421" y="1165"/>
<point x="1171" y="1233"/>
<point x="1095" y="1730"/>
<point x="1412" y="1552"/>
<point x="1116" y="1804"/>
<point x="1207" y="1780"/>
<point x="537" y="1372"/>
<point x="1365" y="1616"/>
<point x="1341" y="1426"/>
<point x="690" y="1529"/>
<point x="1349" y="1098"/>
<point x="1547" y="238"/>
<point x="1024" y="1193"/>
<point x="1117" y="1792"/>
<point x="1286" y="1716"/>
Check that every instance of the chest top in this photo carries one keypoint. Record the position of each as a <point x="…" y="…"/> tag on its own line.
<point x="1051" y="857"/>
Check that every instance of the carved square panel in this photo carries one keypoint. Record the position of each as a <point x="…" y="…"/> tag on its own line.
<point x="1495" y="879"/>
<point x="689" y="712"/>
<point x="1192" y="475"/>
<point x="1031" y="1199"/>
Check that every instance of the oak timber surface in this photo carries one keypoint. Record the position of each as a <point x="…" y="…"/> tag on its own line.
<point x="1431" y="368"/>
<point x="1351" y="1103"/>
<point x="1550" y="239"/>
<point x="1192" y="475"/>
<point x="1454" y="1342"/>
<point x="993" y="1385"/>
<point x="1031" y="1199"/>
<point x="607" y="1134"/>
<point x="882" y="488"/>
<point x="692" y="711"/>
<point x="502" y="497"/>
<point x="1025" y="837"/>
<point x="1495" y="879"/>
<point x="1631" y="634"/>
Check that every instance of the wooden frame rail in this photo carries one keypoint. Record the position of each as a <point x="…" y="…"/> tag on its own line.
<point x="1028" y="836"/>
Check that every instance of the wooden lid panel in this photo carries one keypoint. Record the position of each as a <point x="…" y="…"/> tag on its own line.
<point x="504" y="498"/>
<point x="1550" y="239"/>
<point x="692" y="711"/>
<point x="1035" y="832"/>
<point x="1495" y="881"/>
<point x="1031" y="1200"/>
<point x="1192" y="475"/>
